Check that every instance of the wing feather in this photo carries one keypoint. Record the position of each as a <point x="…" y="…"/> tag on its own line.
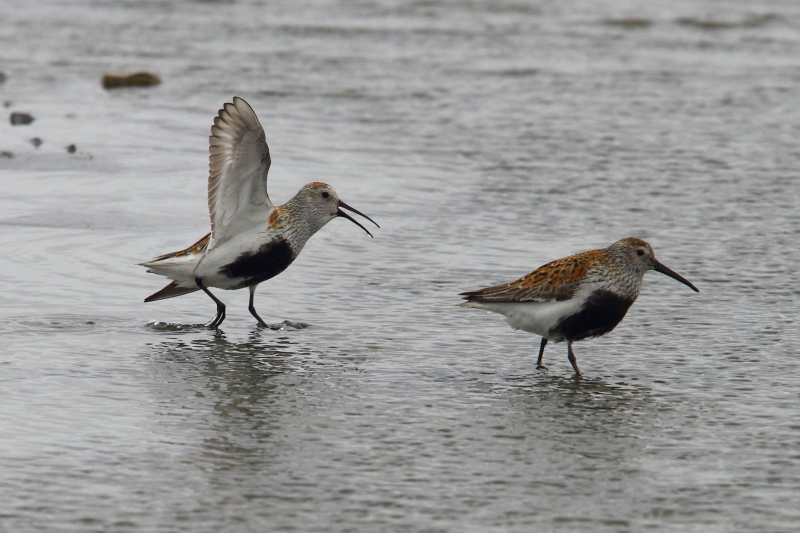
<point x="555" y="281"/>
<point x="239" y="161"/>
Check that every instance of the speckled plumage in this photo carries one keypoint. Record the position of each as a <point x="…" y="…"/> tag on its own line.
<point x="251" y="240"/>
<point x="577" y="297"/>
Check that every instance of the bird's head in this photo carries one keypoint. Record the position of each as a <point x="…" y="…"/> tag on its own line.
<point x="324" y="205"/>
<point x="640" y="256"/>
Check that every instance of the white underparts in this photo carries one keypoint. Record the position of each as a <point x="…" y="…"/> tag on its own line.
<point x="534" y="317"/>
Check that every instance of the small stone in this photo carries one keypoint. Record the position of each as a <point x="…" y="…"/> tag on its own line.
<point x="139" y="79"/>
<point x="7" y="103"/>
<point x="20" y="119"/>
<point x="36" y="142"/>
<point x="6" y="153"/>
<point x="71" y="149"/>
<point x="2" y="76"/>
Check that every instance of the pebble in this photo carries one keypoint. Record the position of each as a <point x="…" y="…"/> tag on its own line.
<point x="20" y="119"/>
<point x="138" y="79"/>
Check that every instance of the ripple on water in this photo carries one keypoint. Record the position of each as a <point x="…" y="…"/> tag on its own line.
<point x="158" y="325"/>
<point x="487" y="138"/>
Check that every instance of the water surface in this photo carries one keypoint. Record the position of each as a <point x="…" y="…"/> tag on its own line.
<point x="486" y="138"/>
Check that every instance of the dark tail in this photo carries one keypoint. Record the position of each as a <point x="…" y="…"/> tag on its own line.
<point x="170" y="291"/>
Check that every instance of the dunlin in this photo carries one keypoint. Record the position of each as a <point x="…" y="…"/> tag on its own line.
<point x="251" y="240"/>
<point x="578" y="297"/>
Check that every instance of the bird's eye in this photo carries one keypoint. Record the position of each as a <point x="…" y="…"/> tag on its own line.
<point x="325" y="194"/>
<point x="639" y="252"/>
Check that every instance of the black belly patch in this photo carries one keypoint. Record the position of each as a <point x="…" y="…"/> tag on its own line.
<point x="602" y="312"/>
<point x="254" y="267"/>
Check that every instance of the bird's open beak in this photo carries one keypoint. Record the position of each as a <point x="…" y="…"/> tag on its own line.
<point x="658" y="267"/>
<point x="341" y="213"/>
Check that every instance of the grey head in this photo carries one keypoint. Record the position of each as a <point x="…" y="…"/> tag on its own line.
<point x="320" y="204"/>
<point x="639" y="255"/>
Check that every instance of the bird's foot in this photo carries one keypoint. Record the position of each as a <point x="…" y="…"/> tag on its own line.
<point x="260" y="321"/>
<point x="214" y="324"/>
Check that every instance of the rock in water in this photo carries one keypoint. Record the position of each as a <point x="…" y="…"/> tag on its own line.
<point x="17" y="119"/>
<point x="139" y="79"/>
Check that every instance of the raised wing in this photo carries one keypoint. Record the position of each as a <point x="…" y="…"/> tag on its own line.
<point x="556" y="281"/>
<point x="238" y="165"/>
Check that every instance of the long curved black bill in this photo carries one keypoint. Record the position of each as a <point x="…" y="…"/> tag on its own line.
<point x="351" y="219"/>
<point x="658" y="267"/>
<point x="357" y="212"/>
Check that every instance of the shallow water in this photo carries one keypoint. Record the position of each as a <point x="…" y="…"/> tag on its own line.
<point x="486" y="138"/>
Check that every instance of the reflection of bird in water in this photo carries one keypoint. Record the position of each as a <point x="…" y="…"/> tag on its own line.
<point x="250" y="353"/>
<point x="251" y="240"/>
<point x="577" y="297"/>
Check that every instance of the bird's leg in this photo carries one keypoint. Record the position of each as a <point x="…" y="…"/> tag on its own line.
<point x="541" y="353"/>
<point x="252" y="308"/>
<point x="220" y="306"/>
<point x="572" y="360"/>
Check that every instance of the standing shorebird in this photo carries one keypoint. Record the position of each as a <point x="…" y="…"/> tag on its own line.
<point x="251" y="240"/>
<point x="574" y="298"/>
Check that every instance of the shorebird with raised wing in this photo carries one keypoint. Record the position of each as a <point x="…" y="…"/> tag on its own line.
<point x="251" y="240"/>
<point x="574" y="298"/>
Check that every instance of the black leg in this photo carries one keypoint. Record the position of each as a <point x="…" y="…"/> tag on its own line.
<point x="220" y="306"/>
<point x="252" y="308"/>
<point x="572" y="359"/>
<point x="541" y="353"/>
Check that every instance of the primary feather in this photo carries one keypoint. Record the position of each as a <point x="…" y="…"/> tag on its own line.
<point x="239" y="162"/>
